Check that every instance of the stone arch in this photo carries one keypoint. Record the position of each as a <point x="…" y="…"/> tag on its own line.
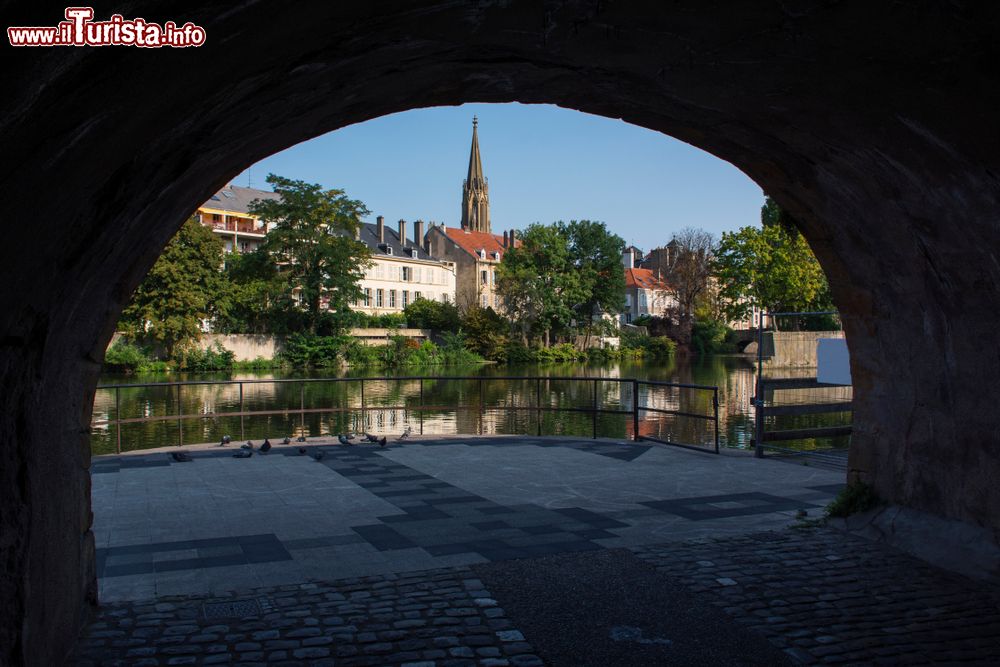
<point x="874" y="126"/>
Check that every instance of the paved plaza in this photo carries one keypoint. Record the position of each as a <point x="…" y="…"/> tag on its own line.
<point x="217" y="523"/>
<point x="493" y="552"/>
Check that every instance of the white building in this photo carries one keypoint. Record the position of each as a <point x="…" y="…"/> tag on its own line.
<point x="402" y="270"/>
<point x="227" y="213"/>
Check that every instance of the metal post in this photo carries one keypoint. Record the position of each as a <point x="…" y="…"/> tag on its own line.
<point x="302" y="406"/>
<point x="421" y="413"/>
<point x="635" y="410"/>
<point x="538" y="403"/>
<point x="758" y="411"/>
<point x="180" y="422"/>
<point x="241" y="413"/>
<point x="715" y="406"/>
<point x="118" y="419"/>
<point x="595" y="410"/>
<point x="364" y="415"/>
<point x="482" y="408"/>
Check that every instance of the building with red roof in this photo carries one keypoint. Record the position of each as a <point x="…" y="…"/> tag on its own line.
<point x="646" y="293"/>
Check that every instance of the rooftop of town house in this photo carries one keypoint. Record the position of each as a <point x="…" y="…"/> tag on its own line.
<point x="472" y="242"/>
<point x="236" y="199"/>
<point x="391" y="245"/>
<point x="644" y="279"/>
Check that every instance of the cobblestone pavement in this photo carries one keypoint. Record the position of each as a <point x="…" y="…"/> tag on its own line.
<point x="827" y="597"/>
<point x="434" y="618"/>
<point x="818" y="594"/>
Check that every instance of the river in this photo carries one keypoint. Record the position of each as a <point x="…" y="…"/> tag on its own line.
<point x="734" y="376"/>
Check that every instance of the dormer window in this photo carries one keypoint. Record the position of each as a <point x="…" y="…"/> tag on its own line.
<point x="482" y="253"/>
<point x="412" y="252"/>
<point x="496" y="256"/>
<point x="385" y="247"/>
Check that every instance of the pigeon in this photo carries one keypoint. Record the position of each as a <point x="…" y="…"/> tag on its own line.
<point x="248" y="445"/>
<point x="225" y="441"/>
<point x="406" y="434"/>
<point x="351" y="436"/>
<point x="301" y="438"/>
<point x="319" y="455"/>
<point x="243" y="454"/>
<point x="266" y="447"/>
<point x="343" y="440"/>
<point x="286" y="441"/>
<point x="371" y="438"/>
<point x="381" y="443"/>
<point x="181" y="457"/>
<point x="302" y="451"/>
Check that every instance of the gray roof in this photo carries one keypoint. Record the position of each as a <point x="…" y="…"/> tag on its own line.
<point x="369" y="236"/>
<point x="236" y="199"/>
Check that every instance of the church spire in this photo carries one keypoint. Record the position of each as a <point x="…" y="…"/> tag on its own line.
<point x="475" y="190"/>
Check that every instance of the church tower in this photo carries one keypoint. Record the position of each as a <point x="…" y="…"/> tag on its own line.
<point x="475" y="190"/>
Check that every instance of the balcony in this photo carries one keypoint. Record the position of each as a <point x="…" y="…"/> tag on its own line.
<point x="238" y="227"/>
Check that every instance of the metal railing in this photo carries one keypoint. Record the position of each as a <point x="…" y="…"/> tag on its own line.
<point x="763" y="437"/>
<point x="538" y="407"/>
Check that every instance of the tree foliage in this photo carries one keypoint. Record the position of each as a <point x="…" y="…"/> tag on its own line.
<point x="689" y="268"/>
<point x="435" y="315"/>
<point x="312" y="244"/>
<point x="596" y="254"/>
<point x="561" y="273"/>
<point x="256" y="300"/>
<point x="769" y="267"/>
<point x="169" y="305"/>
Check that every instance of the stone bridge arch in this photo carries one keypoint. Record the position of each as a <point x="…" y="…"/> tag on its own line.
<point x="874" y="125"/>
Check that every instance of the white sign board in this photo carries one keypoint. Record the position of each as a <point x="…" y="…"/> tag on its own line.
<point x="833" y="364"/>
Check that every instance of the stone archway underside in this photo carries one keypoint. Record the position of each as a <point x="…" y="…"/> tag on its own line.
<point x="874" y="125"/>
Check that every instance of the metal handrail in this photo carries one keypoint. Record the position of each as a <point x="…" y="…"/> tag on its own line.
<point x="595" y="409"/>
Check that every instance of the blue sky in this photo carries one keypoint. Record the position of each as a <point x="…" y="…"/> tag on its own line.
<point x="543" y="163"/>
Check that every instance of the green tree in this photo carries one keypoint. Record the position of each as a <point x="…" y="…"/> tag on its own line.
<point x="595" y="254"/>
<point x="313" y="246"/>
<point x="435" y="315"/>
<point x="256" y="299"/>
<point x="178" y="293"/>
<point x="538" y="282"/>
<point x="769" y="267"/>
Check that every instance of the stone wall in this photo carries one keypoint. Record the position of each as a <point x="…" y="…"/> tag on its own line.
<point x="784" y="349"/>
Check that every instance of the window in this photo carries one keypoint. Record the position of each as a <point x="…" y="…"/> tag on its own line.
<point x="628" y="318"/>
<point x="496" y="256"/>
<point x="484" y="277"/>
<point x="367" y="298"/>
<point x="405" y="273"/>
<point x="378" y="298"/>
<point x="392" y="298"/>
<point x="482" y="253"/>
<point x="444" y="297"/>
<point x="416" y="295"/>
<point x="416" y="274"/>
<point x="485" y="301"/>
<point x="494" y="276"/>
<point x="406" y="298"/>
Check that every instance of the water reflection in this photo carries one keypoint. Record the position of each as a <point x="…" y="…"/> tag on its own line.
<point x="496" y="401"/>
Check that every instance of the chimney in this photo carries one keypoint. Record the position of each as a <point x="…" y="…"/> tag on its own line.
<point x="627" y="259"/>
<point x="505" y="238"/>
<point x="418" y="233"/>
<point x="402" y="232"/>
<point x="380" y="221"/>
<point x="511" y="239"/>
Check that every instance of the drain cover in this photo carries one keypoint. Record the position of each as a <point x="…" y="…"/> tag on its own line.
<point x="236" y="608"/>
